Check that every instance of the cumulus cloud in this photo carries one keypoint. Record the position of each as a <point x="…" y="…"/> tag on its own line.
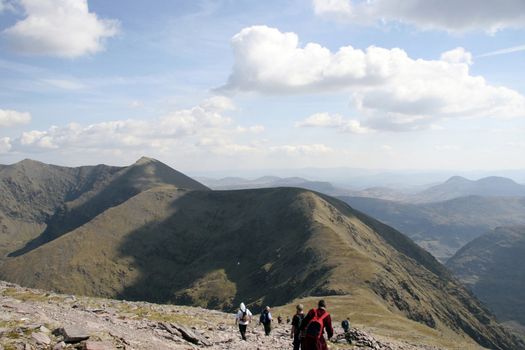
<point x="10" y="118"/>
<point x="131" y="133"/>
<point x="201" y="131"/>
<point x="5" y="144"/>
<point x="457" y="55"/>
<point x="336" y="121"/>
<point x="448" y="15"/>
<point x="391" y="90"/>
<point x="63" y="28"/>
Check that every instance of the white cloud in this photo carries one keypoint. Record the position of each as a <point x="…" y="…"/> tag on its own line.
<point x="5" y="144"/>
<point x="155" y="133"/>
<point x="200" y="132"/>
<point x="327" y="120"/>
<point x="219" y="104"/>
<point x="448" y="15"/>
<point x="457" y="55"/>
<point x="10" y="118"/>
<point x="338" y="9"/>
<point x="202" y="126"/>
<point x="392" y="90"/>
<point x="63" y="28"/>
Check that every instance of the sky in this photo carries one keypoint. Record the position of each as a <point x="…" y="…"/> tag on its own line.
<point x="238" y="85"/>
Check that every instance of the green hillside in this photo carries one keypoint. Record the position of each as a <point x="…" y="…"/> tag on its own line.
<point x="493" y="266"/>
<point x="40" y="202"/>
<point x="269" y="246"/>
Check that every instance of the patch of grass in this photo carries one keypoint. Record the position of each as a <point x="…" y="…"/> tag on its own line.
<point x="26" y="295"/>
<point x="148" y="313"/>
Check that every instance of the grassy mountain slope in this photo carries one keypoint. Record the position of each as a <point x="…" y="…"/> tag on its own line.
<point x="268" y="246"/>
<point x="493" y="266"/>
<point x="104" y="189"/>
<point x="444" y="227"/>
<point x="31" y="192"/>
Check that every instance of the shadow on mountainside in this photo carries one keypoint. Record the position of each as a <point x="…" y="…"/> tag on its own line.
<point x="219" y="248"/>
<point x="67" y="219"/>
<point x="128" y="182"/>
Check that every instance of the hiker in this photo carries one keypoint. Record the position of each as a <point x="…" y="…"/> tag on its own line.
<point x="287" y="319"/>
<point x="296" y="323"/>
<point x="346" y="328"/>
<point x="279" y="319"/>
<point x="266" y="320"/>
<point x="243" y="318"/>
<point x="313" y="326"/>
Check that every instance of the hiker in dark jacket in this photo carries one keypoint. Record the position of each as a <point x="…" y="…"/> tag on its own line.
<point x="314" y="324"/>
<point x="266" y="320"/>
<point x="296" y="323"/>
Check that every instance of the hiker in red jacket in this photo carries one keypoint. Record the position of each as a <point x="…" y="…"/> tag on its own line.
<point x="313" y="326"/>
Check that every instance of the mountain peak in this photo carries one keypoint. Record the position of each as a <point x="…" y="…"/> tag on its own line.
<point x="457" y="178"/>
<point x="145" y="160"/>
<point x="27" y="161"/>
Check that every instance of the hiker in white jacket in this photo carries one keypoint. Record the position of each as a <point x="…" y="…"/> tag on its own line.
<point x="243" y="318"/>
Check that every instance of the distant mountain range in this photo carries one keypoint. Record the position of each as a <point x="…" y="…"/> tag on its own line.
<point x="454" y="187"/>
<point x="458" y="186"/>
<point x="237" y="183"/>
<point x="493" y="266"/>
<point x="444" y="227"/>
<point x="148" y="232"/>
<point x="357" y="179"/>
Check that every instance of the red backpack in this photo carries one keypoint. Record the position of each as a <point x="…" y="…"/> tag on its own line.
<point x="314" y="329"/>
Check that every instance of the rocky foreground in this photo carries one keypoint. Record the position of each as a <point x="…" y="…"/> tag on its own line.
<point x="34" y="319"/>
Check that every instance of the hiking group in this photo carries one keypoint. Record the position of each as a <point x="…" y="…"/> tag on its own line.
<point x="307" y="331"/>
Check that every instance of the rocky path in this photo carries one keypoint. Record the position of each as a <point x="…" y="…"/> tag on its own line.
<point x="32" y="319"/>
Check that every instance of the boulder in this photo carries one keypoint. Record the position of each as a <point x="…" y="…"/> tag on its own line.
<point x="72" y="334"/>
<point x="191" y="336"/>
<point x="41" y="338"/>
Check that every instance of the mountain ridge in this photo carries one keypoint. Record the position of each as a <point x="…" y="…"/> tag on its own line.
<point x="36" y="199"/>
<point x="273" y="246"/>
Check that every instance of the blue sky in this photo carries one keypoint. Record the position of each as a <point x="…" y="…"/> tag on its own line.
<point x="215" y="85"/>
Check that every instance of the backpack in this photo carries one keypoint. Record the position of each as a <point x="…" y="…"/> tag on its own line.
<point x="244" y="317"/>
<point x="300" y="318"/>
<point x="314" y="328"/>
<point x="264" y="317"/>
